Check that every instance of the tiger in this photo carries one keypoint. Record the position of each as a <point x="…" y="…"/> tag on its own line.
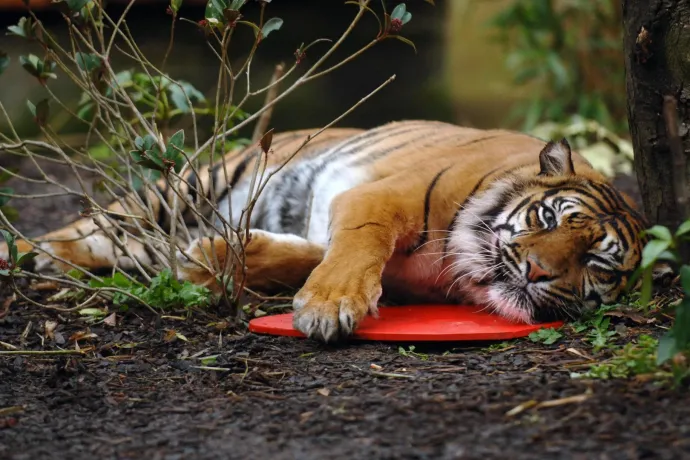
<point x="416" y="210"/>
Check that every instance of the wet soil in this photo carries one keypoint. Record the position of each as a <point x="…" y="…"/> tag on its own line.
<point x="173" y="388"/>
<point x="178" y="386"/>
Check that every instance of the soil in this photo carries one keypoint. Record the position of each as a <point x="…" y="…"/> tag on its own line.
<point x="190" y="387"/>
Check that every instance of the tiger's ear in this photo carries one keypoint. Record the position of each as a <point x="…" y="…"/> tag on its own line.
<point x="555" y="159"/>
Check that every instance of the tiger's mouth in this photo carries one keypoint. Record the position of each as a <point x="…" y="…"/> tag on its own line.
<point x="508" y="292"/>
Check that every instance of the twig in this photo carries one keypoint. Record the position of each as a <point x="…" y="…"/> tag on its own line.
<point x="40" y="352"/>
<point x="272" y="93"/>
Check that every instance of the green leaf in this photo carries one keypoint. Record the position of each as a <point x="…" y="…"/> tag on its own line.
<point x="545" y="336"/>
<point x="271" y="25"/>
<point x="681" y="326"/>
<point x="660" y="232"/>
<point x="9" y="240"/>
<point x="406" y="40"/>
<point x="399" y="11"/>
<point x="76" y="5"/>
<point x="175" y="5"/>
<point x="178" y="92"/>
<point x="42" y="112"/>
<point x="647" y="284"/>
<point x="558" y="69"/>
<point x="4" y="61"/>
<point x="5" y="195"/>
<point x="31" y="64"/>
<point x="150" y="162"/>
<point x="406" y="17"/>
<point x="214" y="11"/>
<point x="85" y="111"/>
<point x="4" y="273"/>
<point x="667" y="349"/>
<point x="685" y="279"/>
<point x="651" y="252"/>
<point x="88" y="61"/>
<point x="24" y="257"/>
<point x="93" y="312"/>
<point x="176" y="141"/>
<point x="683" y="229"/>
<point x="24" y="28"/>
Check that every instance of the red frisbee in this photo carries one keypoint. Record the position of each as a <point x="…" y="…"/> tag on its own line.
<point x="419" y="323"/>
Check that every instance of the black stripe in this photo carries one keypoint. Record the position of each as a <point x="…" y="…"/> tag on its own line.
<point x="464" y="203"/>
<point x="375" y="136"/>
<point x="427" y="209"/>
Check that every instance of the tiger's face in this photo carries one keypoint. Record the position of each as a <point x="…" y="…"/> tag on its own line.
<point x="548" y="246"/>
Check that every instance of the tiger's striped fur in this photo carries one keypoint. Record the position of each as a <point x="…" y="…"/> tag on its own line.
<point x="423" y="210"/>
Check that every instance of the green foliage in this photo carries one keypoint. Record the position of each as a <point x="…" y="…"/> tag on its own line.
<point x="597" y="327"/>
<point x="164" y="292"/>
<point x="570" y="56"/>
<point x="411" y="353"/>
<point x="39" y="111"/>
<point x="546" y="336"/>
<point x="271" y="25"/>
<point x="16" y="258"/>
<point x="25" y="28"/>
<point x="42" y="69"/>
<point x="148" y="153"/>
<point x="633" y="359"/>
<point x="88" y="62"/>
<point x="664" y="246"/>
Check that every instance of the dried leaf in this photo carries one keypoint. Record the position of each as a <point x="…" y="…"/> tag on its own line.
<point x="324" y="391"/>
<point x="46" y="286"/>
<point x="111" y="320"/>
<point x="49" y="329"/>
<point x="82" y="335"/>
<point x="170" y="335"/>
<point x="266" y="141"/>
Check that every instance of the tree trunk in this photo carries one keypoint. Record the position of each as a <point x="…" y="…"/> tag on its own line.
<point x="657" y="64"/>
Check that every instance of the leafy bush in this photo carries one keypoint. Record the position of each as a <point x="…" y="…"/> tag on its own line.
<point x="569" y="55"/>
<point x="143" y="131"/>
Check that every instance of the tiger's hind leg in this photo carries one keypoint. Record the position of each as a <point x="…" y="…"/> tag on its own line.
<point x="273" y="261"/>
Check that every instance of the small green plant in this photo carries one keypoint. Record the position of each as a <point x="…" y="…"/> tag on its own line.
<point x="164" y="292"/>
<point x="546" y="336"/>
<point x="665" y="246"/>
<point x="410" y="353"/>
<point x="494" y="347"/>
<point x="10" y="267"/>
<point x="149" y="137"/>
<point x="633" y="359"/>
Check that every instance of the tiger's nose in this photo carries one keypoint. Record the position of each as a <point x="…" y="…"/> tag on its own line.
<point x="536" y="272"/>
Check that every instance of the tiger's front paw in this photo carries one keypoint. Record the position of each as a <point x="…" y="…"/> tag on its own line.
<point x="333" y="302"/>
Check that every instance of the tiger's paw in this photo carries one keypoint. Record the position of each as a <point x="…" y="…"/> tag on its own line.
<point x="331" y="304"/>
<point x="203" y="261"/>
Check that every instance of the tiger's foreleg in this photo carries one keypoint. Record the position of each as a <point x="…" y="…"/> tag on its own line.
<point x="366" y="225"/>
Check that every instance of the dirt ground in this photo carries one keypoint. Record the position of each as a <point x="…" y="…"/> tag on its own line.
<point x="166" y="387"/>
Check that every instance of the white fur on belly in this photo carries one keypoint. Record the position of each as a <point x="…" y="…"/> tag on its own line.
<point x="333" y="181"/>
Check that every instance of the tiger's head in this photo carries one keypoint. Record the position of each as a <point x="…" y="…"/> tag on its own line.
<point x="548" y="245"/>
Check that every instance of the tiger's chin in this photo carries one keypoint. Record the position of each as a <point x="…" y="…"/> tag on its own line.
<point x="513" y="302"/>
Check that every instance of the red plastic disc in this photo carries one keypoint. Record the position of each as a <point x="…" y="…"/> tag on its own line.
<point x="419" y="323"/>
